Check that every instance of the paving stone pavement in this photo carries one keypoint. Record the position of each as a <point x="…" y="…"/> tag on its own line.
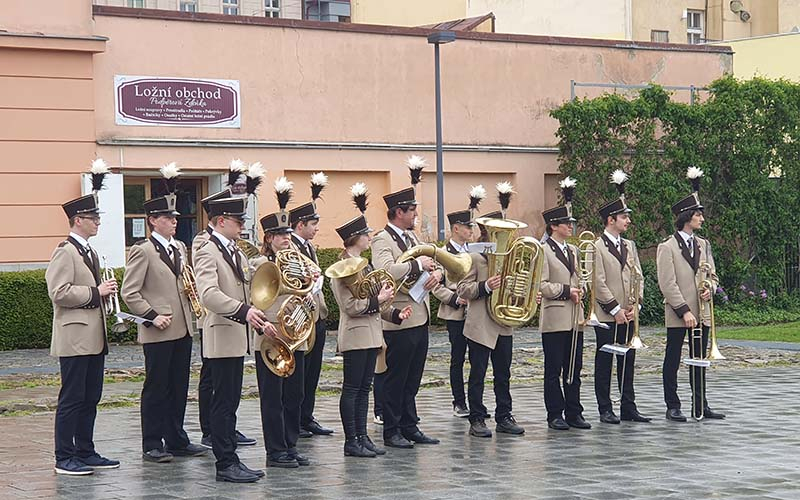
<point x="752" y="454"/>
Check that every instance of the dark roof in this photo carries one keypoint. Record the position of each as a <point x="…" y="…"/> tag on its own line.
<point x="467" y="24"/>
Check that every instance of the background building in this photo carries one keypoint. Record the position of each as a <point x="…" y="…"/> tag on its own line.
<point x="318" y="10"/>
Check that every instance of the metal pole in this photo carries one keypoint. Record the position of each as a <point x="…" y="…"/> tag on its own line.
<point x="439" y="167"/>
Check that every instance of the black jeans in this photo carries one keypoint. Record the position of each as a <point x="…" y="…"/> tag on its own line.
<point x="672" y="361"/>
<point x="406" y="351"/>
<point x="280" y="400"/>
<point x="479" y="356"/>
<point x="313" y="367"/>
<point x="603" y="362"/>
<point x="557" y="348"/>
<point x="226" y="375"/>
<point x="458" y="351"/>
<point x="81" y="389"/>
<point x="377" y="393"/>
<point x="205" y="390"/>
<point x="164" y="393"/>
<point x="359" y="368"/>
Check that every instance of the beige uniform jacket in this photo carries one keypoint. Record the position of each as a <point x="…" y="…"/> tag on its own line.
<point x="479" y="325"/>
<point x="79" y="320"/>
<point x="153" y="286"/>
<point x="224" y="288"/>
<point x="613" y="276"/>
<point x="449" y="309"/>
<point x="558" y="276"/>
<point x="677" y="278"/>
<point x="387" y="246"/>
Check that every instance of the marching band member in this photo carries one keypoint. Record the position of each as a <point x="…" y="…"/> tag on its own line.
<point x="616" y="260"/>
<point x="153" y="289"/>
<point x="280" y="397"/>
<point x="360" y="334"/>
<point x="561" y="305"/>
<point x="223" y="285"/>
<point x="79" y="340"/>
<point x="487" y="339"/>
<point x="678" y="261"/>
<point x="452" y="306"/>
<point x="305" y="225"/>
<point x="407" y="344"/>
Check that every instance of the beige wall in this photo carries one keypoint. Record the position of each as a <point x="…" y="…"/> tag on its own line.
<point x="576" y="18"/>
<point x="406" y="12"/>
<point x="788" y="15"/>
<point x="664" y="15"/>
<point x="62" y="17"/>
<point x="767" y="57"/>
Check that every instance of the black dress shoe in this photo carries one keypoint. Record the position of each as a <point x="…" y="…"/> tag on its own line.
<point x="353" y="447"/>
<point x="191" y="450"/>
<point x="397" y="441"/>
<point x="242" y="440"/>
<point x="675" y="415"/>
<point x="368" y="444"/>
<point x="235" y="474"/>
<point x="158" y="456"/>
<point x="282" y="460"/>
<point x="608" y="417"/>
<point x="420" y="438"/>
<point x="709" y="413"/>
<point x="509" y="426"/>
<point x="314" y="428"/>
<point x="259" y="472"/>
<point x="301" y="460"/>
<point x="558" y="424"/>
<point x="634" y="416"/>
<point x="578" y="422"/>
<point x="478" y="429"/>
<point x="304" y="434"/>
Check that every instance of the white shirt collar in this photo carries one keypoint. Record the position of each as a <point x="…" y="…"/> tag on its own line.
<point x="164" y="242"/>
<point x="300" y="239"/>
<point x="562" y="246"/>
<point x="225" y="241"/>
<point x="396" y="229"/>
<point x="614" y="239"/>
<point x="79" y="239"/>
<point x="460" y="248"/>
<point x="686" y="237"/>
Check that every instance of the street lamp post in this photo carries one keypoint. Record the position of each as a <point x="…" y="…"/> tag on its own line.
<point x="437" y="38"/>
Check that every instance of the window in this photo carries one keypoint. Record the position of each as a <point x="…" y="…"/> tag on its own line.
<point x="230" y="7"/>
<point x="272" y="8"/>
<point x="136" y="4"/>
<point x="188" y="5"/>
<point x="695" y="26"/>
<point x="659" y="36"/>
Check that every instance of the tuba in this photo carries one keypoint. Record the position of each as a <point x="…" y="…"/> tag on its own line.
<point x="292" y="273"/>
<point x="456" y="266"/>
<point x="519" y="261"/>
<point x="362" y="286"/>
<point x="190" y="288"/>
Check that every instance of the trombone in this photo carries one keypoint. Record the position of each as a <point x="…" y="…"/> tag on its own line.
<point x="112" y="301"/>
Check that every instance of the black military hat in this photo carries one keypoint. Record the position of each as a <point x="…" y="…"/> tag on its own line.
<point x="615" y="207"/>
<point x="277" y="223"/>
<point x="497" y="214"/>
<point x="557" y="215"/>
<point x="691" y="202"/>
<point x="225" y="193"/>
<point x="229" y="207"/>
<point x="460" y="217"/>
<point x="353" y="227"/>
<point x="402" y="198"/>
<point x="85" y="205"/>
<point x="163" y="205"/>
<point x="303" y="213"/>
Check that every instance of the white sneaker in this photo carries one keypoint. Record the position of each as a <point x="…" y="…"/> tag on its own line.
<point x="460" y="411"/>
<point x="378" y="419"/>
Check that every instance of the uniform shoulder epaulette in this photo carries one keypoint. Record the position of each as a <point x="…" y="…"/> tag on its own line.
<point x="666" y="239"/>
<point x="61" y="245"/>
<point x="204" y="244"/>
<point x="141" y="242"/>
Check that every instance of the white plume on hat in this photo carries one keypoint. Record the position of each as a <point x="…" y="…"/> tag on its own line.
<point x="170" y="170"/>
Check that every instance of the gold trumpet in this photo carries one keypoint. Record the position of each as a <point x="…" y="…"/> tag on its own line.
<point x="456" y="266"/>
<point x="362" y="286"/>
<point x="190" y="288"/>
<point x="292" y="273"/>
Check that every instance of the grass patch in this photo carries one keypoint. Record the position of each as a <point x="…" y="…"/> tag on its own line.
<point x="112" y="379"/>
<point x="331" y="367"/>
<point x="784" y="332"/>
<point x="31" y="383"/>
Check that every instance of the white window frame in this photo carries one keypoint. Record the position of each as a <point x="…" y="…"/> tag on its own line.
<point x="659" y="32"/>
<point x="695" y="34"/>
<point x="272" y="8"/>
<point x="132" y="4"/>
<point x="184" y="4"/>
<point x="230" y="7"/>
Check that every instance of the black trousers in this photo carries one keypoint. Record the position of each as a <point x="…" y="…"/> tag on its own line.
<point x="81" y="389"/>
<point x="166" y="385"/>
<point x="479" y="356"/>
<point x="406" y="351"/>
<point x="359" y="368"/>
<point x="280" y="400"/>
<point x="226" y="376"/>
<point x="313" y="367"/>
<point x="603" y="362"/>
<point x="672" y="361"/>
<point x="458" y="351"/>
<point x="204" y="392"/>
<point x="377" y="393"/>
<point x="557" y="349"/>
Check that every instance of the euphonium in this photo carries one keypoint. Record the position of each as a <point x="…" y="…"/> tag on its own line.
<point x="292" y="273"/>
<point x="112" y="301"/>
<point x="633" y="301"/>
<point x="456" y="266"/>
<point x="190" y="288"/>
<point x="362" y="286"/>
<point x="587" y="249"/>
<point x="519" y="263"/>
<point x="248" y="248"/>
